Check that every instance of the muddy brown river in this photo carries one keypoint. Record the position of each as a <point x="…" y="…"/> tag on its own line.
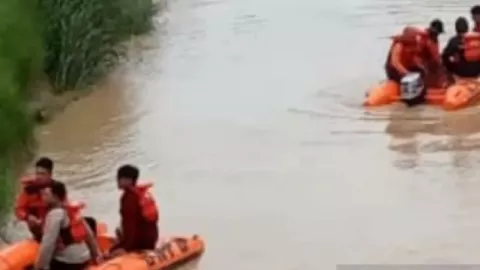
<point x="246" y="115"/>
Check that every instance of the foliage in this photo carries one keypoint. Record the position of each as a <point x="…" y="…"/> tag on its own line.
<point x="83" y="38"/>
<point x="21" y="56"/>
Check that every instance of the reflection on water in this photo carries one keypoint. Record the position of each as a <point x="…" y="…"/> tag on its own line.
<point x="426" y="131"/>
<point x="246" y="115"/>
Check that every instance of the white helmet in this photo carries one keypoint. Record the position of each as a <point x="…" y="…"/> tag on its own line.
<point x="411" y="86"/>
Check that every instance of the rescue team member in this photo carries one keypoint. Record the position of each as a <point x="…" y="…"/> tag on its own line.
<point x="435" y="75"/>
<point x="30" y="206"/>
<point x="432" y="32"/>
<point x="403" y="57"/>
<point x="416" y="51"/>
<point x="138" y="214"/>
<point x="475" y="13"/>
<point x="413" y="50"/>
<point x="454" y="57"/>
<point x="67" y="243"/>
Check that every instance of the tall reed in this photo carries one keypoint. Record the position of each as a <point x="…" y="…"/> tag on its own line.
<point x="83" y="39"/>
<point x="137" y="15"/>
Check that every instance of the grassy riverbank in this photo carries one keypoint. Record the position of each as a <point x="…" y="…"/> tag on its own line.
<point x="72" y="43"/>
<point x="20" y="58"/>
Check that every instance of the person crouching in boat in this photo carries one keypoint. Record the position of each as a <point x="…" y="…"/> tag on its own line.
<point x="415" y="51"/>
<point x="30" y="206"/>
<point x="68" y="243"/>
<point x="138" y="212"/>
<point x="461" y="56"/>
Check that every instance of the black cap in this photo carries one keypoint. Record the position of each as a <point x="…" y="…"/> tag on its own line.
<point x="437" y="25"/>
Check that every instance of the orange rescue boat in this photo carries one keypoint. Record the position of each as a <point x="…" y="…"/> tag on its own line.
<point x="463" y="93"/>
<point x="22" y="255"/>
<point x="175" y="251"/>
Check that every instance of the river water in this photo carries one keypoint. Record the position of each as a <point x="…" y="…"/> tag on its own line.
<point x="246" y="115"/>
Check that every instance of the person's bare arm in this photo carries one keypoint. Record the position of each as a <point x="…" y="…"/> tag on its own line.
<point x="53" y="223"/>
<point x="92" y="243"/>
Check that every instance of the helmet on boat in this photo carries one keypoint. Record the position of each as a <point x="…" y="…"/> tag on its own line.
<point x="411" y="87"/>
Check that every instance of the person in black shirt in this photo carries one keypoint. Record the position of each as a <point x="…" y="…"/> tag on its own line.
<point x="453" y="55"/>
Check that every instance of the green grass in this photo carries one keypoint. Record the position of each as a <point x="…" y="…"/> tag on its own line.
<point x="75" y="43"/>
<point x="21" y="56"/>
<point x="6" y="172"/>
<point x="83" y="39"/>
<point x="137" y="16"/>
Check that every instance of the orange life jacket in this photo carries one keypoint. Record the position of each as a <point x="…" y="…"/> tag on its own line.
<point x="471" y="46"/>
<point x="409" y="52"/>
<point x="428" y="48"/>
<point x="77" y="231"/>
<point x="148" y="205"/>
<point x="412" y="39"/>
<point x="30" y="201"/>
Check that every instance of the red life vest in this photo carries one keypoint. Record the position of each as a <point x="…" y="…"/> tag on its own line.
<point x="471" y="46"/>
<point x="428" y="46"/>
<point x="77" y="231"/>
<point x="410" y="49"/>
<point x="31" y="187"/>
<point x="148" y="205"/>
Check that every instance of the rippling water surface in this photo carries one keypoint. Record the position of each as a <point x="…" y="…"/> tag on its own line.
<point x="246" y="115"/>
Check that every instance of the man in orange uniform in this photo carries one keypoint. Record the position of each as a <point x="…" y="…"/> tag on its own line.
<point x="435" y="75"/>
<point x="431" y="39"/>
<point x="404" y="56"/>
<point x="138" y="212"/>
<point x="30" y="206"/>
<point x="416" y="50"/>
<point x="475" y="12"/>
<point x="413" y="50"/>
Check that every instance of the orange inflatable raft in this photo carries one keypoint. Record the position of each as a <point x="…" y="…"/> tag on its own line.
<point x="464" y="93"/>
<point x="22" y="255"/>
<point x="176" y="251"/>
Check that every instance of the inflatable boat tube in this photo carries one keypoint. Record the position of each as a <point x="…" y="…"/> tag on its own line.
<point x="22" y="255"/>
<point x="175" y="252"/>
<point x="464" y="93"/>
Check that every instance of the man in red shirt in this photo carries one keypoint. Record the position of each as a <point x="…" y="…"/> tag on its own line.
<point x="138" y="212"/>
